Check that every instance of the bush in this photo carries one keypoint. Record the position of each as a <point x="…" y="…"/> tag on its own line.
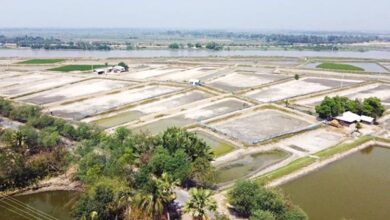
<point x="98" y="200"/>
<point x="124" y="65"/>
<point x="243" y="197"/>
<point x="255" y="201"/>
<point x="24" y="113"/>
<point x="214" y="46"/>
<point x="174" y="46"/>
<point x="5" y="107"/>
<point x="295" y="214"/>
<point x="262" y="215"/>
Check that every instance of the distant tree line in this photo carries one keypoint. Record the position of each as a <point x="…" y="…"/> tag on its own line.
<point x="53" y="43"/>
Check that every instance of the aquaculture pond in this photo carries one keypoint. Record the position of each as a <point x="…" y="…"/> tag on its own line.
<point x="356" y="187"/>
<point x="218" y="146"/>
<point x="247" y="165"/>
<point x="369" y="67"/>
<point x="45" y="205"/>
<point x="118" y="119"/>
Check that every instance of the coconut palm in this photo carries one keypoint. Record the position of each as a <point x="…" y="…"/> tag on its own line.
<point x="200" y="203"/>
<point x="154" y="202"/>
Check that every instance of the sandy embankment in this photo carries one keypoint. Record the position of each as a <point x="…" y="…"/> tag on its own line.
<point x="62" y="182"/>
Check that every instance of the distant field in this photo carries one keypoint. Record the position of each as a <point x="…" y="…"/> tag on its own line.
<point x="41" y="61"/>
<point x="339" y="66"/>
<point x="69" y="68"/>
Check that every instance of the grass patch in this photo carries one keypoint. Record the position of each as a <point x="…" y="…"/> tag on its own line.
<point x="41" y="61"/>
<point x="291" y="167"/>
<point x="324" y="154"/>
<point x="222" y="149"/>
<point x="70" y="68"/>
<point x="339" y="66"/>
<point x="307" y="160"/>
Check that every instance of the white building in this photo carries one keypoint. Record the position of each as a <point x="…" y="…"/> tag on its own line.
<point x="350" y="117"/>
<point x="195" y="82"/>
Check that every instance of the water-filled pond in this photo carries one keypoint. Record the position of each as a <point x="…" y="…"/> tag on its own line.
<point x="369" y="67"/>
<point x="218" y="146"/>
<point x="45" y="205"/>
<point x="118" y="119"/>
<point x="247" y="165"/>
<point x="356" y="187"/>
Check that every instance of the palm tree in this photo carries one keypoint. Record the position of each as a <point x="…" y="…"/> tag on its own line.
<point x="200" y="203"/>
<point x="155" y="202"/>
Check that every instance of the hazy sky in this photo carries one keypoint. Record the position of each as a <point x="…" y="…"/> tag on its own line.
<point x="365" y="15"/>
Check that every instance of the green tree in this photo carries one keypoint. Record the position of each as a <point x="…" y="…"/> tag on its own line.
<point x="243" y="197"/>
<point x="200" y="203"/>
<point x="249" y="198"/>
<point x="98" y="200"/>
<point x="154" y="201"/>
<point x="174" y="139"/>
<point x="373" y="107"/>
<point x="296" y="77"/>
<point x="295" y="213"/>
<point x="124" y="65"/>
<point x="198" y="45"/>
<point x="173" y="46"/>
<point x="262" y="215"/>
<point x="214" y="46"/>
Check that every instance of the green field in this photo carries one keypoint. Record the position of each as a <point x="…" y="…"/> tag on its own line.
<point x="339" y="66"/>
<point x="41" y="61"/>
<point x="70" y="68"/>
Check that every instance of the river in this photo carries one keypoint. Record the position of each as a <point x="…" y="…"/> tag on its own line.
<point x="29" y="53"/>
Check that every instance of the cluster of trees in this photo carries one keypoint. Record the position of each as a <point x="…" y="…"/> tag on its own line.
<point x="252" y="200"/>
<point x="36" y="149"/>
<point x="334" y="106"/>
<point x="141" y="171"/>
<point x="189" y="45"/>
<point x="32" y="116"/>
<point x="28" y="155"/>
<point x="214" y="46"/>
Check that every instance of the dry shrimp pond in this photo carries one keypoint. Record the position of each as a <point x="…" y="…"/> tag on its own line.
<point x="153" y="107"/>
<point x="91" y="106"/>
<point x="297" y="88"/>
<point x="195" y="115"/>
<point x="75" y="90"/>
<point x="380" y="90"/>
<point x="260" y="126"/>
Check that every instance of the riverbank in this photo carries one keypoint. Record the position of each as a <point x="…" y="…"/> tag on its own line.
<point x="62" y="182"/>
<point x="30" y="53"/>
<point x="322" y="163"/>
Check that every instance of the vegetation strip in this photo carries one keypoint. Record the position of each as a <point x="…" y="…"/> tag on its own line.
<point x="70" y="68"/>
<point x="41" y="61"/>
<point x="339" y="66"/>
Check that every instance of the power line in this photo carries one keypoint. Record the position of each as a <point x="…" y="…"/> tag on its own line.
<point x="18" y="209"/>
<point x="31" y="208"/>
<point x="27" y="210"/>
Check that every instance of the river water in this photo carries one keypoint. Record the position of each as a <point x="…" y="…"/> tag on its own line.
<point x="29" y="53"/>
<point x="356" y="187"/>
